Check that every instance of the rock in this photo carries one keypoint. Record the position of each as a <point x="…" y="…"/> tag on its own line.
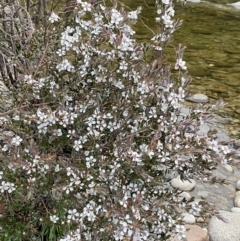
<point x="235" y="210"/>
<point x="237" y="193"/>
<point x="205" y="229"/>
<point x="236" y="144"/>
<point x="183" y="185"/>
<point x="232" y="179"/>
<point x="198" y="98"/>
<point x="194" y="233"/>
<point x="225" y="231"/>
<point x="185" y="195"/>
<point x="203" y="129"/>
<point x="235" y="5"/>
<point x="188" y="218"/>
<point x="223" y="136"/>
<point x="203" y="194"/>
<point x="194" y="1"/>
<point x="185" y="111"/>
<point x="200" y="220"/>
<point x="238" y="185"/>
<point x="227" y="168"/>
<point x="237" y="199"/>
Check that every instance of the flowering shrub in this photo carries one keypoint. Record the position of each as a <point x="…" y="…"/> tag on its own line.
<point x="96" y="132"/>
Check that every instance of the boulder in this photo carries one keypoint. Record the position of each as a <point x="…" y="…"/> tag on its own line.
<point x="225" y="231"/>
<point x="183" y="185"/>
<point x="198" y="98"/>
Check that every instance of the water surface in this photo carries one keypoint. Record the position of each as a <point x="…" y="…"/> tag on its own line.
<point x="211" y="32"/>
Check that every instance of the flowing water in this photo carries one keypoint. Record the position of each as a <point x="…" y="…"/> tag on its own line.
<point x="211" y="33"/>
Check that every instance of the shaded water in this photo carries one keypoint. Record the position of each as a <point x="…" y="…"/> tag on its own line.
<point x="211" y="32"/>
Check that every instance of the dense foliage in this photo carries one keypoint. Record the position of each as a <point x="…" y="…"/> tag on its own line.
<point x="94" y="128"/>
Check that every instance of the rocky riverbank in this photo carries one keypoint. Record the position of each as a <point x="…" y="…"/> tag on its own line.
<point x="223" y="197"/>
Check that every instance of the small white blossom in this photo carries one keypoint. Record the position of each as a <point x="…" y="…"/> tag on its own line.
<point x="77" y="145"/>
<point x="16" y="141"/>
<point x="54" y="17"/>
<point x="180" y="231"/>
<point x="5" y="148"/>
<point x="166" y="2"/>
<point x="72" y="215"/>
<point x="180" y="64"/>
<point x="54" y="218"/>
<point x="65" y="65"/>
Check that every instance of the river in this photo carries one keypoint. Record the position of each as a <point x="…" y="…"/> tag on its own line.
<point x="211" y="33"/>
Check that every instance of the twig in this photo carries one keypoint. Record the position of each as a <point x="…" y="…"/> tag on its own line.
<point x="35" y="73"/>
<point x="19" y="108"/>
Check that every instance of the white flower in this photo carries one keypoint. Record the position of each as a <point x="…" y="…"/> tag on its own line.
<point x="166" y="2"/>
<point x="4" y="186"/>
<point x="180" y="64"/>
<point x="87" y="7"/>
<point x="196" y="208"/>
<point x="11" y="187"/>
<point x="167" y="20"/>
<point x="65" y="65"/>
<point x="7" y="186"/>
<point x="57" y="132"/>
<point x="16" y="141"/>
<point x="68" y="188"/>
<point x="180" y="230"/>
<point x="54" y="17"/>
<point x="170" y="11"/>
<point x="57" y="168"/>
<point x="70" y="133"/>
<point x="54" y="218"/>
<point x="5" y="147"/>
<point x="98" y="18"/>
<point x="77" y="145"/>
<point x="1" y="174"/>
<point x="116" y="17"/>
<point x="72" y="215"/>
<point x="123" y="65"/>
<point x="91" y="216"/>
<point x="133" y="15"/>
<point x="31" y="179"/>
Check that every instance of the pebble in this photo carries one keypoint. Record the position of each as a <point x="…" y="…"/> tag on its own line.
<point x="185" y="195"/>
<point x="183" y="185"/>
<point x="235" y="210"/>
<point x="236" y="143"/>
<point x="188" y="218"/>
<point x="236" y="5"/>
<point x="203" y="129"/>
<point x="194" y="1"/>
<point x="227" y="168"/>
<point x="237" y="199"/>
<point x="198" y="98"/>
<point x="238" y="185"/>
<point x="200" y="220"/>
